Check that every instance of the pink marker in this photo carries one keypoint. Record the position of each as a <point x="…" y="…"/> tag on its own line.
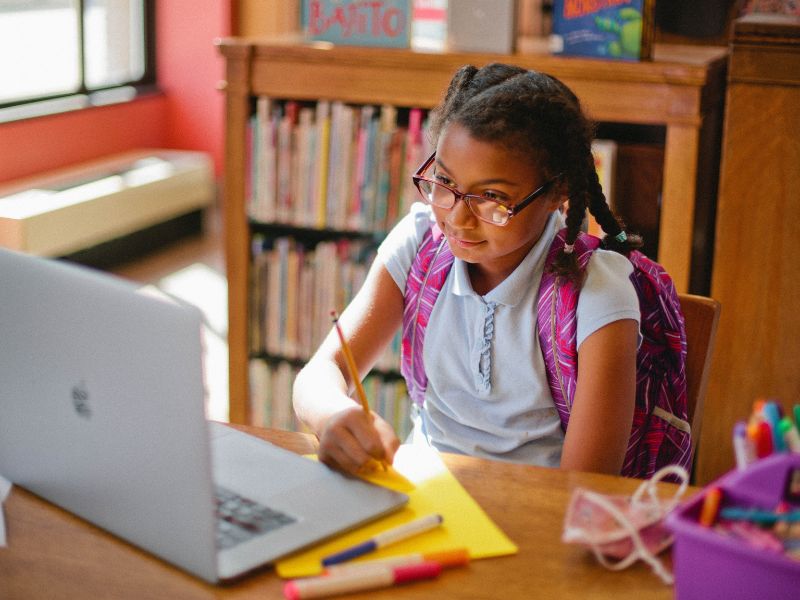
<point x="366" y="579"/>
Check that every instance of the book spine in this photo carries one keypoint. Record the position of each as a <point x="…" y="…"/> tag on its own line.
<point x="648" y="29"/>
<point x="323" y="154"/>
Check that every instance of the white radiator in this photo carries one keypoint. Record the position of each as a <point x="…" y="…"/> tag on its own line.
<point x="72" y="209"/>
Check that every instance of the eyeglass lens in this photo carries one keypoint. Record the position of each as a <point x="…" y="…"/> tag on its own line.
<point x="444" y="197"/>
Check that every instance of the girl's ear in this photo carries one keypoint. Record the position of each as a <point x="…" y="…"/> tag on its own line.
<point x="554" y="203"/>
<point x="557" y="198"/>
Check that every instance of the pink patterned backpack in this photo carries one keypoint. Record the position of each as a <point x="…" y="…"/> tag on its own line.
<point x="660" y="434"/>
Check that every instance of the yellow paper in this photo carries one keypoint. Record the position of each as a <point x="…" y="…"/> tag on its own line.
<point x="436" y="490"/>
<point x="389" y="478"/>
<point x="383" y="475"/>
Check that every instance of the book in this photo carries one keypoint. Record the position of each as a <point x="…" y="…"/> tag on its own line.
<point x="429" y="25"/>
<point x="612" y="29"/>
<point x="285" y="152"/>
<point x="604" y="153"/>
<point x="323" y="124"/>
<point x="260" y="400"/>
<point x="303" y="167"/>
<point x="384" y="23"/>
<point x="264" y="208"/>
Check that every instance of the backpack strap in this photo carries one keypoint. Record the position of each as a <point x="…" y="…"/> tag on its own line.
<point x="424" y="282"/>
<point x="556" y="317"/>
<point x="556" y="312"/>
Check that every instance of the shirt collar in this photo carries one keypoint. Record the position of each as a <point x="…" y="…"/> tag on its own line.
<point x="513" y="289"/>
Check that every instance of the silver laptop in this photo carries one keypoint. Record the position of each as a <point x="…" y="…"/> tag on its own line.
<point x="102" y="413"/>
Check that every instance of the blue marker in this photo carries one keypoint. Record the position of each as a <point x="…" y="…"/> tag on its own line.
<point x="762" y="517"/>
<point x="772" y="415"/>
<point x="384" y="539"/>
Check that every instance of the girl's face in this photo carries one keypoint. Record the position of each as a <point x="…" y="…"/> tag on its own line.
<point x="483" y="168"/>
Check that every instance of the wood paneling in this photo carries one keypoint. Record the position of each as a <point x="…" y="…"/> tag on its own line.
<point x="755" y="275"/>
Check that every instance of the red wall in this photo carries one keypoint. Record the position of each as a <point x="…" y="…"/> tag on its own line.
<point x="189" y="69"/>
<point x="187" y="115"/>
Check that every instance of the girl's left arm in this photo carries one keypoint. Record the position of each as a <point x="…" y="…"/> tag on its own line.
<point x="602" y="410"/>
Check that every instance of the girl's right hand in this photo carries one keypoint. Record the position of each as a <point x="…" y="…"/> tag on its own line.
<point x="351" y="440"/>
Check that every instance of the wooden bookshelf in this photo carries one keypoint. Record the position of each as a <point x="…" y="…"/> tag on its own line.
<point x="682" y="89"/>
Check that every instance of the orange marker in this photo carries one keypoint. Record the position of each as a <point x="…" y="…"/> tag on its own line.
<point x="710" y="508"/>
<point x="758" y="407"/>
<point x="446" y="558"/>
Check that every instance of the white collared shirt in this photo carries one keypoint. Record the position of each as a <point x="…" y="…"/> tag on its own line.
<point x="487" y="389"/>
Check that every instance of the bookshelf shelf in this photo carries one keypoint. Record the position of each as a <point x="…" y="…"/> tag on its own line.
<point x="682" y="90"/>
<point x="309" y="233"/>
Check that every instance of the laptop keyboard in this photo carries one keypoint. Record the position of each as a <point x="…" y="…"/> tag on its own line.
<point x="240" y="519"/>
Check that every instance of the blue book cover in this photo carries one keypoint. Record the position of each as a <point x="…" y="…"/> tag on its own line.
<point x="612" y="29"/>
<point x="385" y="23"/>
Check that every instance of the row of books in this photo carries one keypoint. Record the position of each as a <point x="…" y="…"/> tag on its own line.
<point x="363" y="181"/>
<point x="295" y="288"/>
<point x="333" y="165"/>
<point x="271" y="397"/>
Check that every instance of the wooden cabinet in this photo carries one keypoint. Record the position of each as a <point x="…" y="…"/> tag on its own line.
<point x="682" y="90"/>
<point x="755" y="274"/>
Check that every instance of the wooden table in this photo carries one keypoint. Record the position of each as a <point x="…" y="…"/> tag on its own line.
<point x="52" y="554"/>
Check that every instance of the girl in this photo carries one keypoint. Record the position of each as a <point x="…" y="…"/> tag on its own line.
<point x="511" y="147"/>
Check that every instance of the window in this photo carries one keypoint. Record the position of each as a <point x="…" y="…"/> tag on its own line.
<point x="74" y="49"/>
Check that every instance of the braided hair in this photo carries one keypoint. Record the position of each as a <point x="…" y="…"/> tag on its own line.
<point x="536" y="114"/>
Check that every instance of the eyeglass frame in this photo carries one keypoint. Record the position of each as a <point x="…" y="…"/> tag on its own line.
<point x="512" y="210"/>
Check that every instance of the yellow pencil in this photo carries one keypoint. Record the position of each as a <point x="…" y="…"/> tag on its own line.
<point x="351" y="367"/>
<point x="351" y="364"/>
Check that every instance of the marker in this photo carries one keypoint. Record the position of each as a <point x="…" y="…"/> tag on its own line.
<point x="447" y="559"/>
<point x="763" y="440"/>
<point x="711" y="502"/>
<point x="781" y="528"/>
<point x="368" y="579"/>
<point x="385" y="538"/>
<point x="752" y="435"/>
<point x="796" y="411"/>
<point x="742" y="446"/>
<point x="772" y="415"/>
<point x="761" y="517"/>
<point x="791" y="438"/>
<point x="758" y="406"/>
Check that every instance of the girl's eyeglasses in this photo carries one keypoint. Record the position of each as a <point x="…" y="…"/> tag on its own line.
<point x="490" y="210"/>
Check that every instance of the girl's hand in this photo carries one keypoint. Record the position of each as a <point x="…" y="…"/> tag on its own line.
<point x="350" y="441"/>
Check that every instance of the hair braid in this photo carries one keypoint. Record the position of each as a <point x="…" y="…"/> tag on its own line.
<point x="578" y="132"/>
<point x="611" y="224"/>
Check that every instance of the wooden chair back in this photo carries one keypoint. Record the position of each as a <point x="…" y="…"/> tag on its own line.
<point x="701" y="315"/>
